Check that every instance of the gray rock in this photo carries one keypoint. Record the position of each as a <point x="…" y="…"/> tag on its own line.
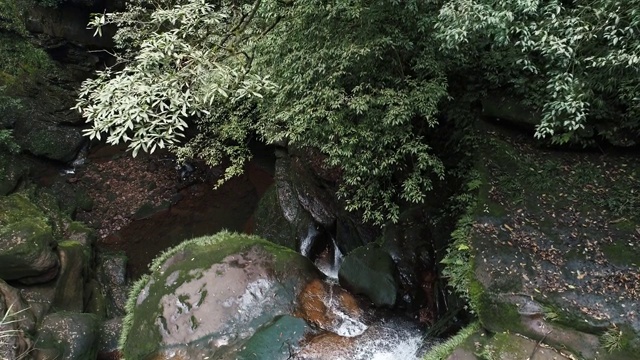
<point x="109" y="337"/>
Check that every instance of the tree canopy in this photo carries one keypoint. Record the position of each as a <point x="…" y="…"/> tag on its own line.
<point x="364" y="82"/>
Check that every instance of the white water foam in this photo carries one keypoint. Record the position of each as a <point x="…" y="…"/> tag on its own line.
<point x="390" y="340"/>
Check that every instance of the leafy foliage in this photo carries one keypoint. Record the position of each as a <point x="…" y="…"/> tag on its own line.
<point x="578" y="61"/>
<point x="369" y="98"/>
<point x="11" y="13"/>
<point x="364" y="98"/>
<point x="188" y="60"/>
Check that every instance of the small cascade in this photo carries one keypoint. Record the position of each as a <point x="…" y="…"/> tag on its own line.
<point x="348" y="330"/>
<point x="307" y="243"/>
<point x="347" y="321"/>
<point x="79" y="161"/>
<point x="383" y="339"/>
<point x="331" y="262"/>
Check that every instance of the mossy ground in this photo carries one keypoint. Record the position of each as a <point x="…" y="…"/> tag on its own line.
<point x="562" y="227"/>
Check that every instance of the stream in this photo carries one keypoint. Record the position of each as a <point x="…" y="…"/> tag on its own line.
<point x="201" y="210"/>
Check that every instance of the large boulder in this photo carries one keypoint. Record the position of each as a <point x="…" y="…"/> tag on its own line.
<point x="554" y="243"/>
<point x="26" y="241"/>
<point x="208" y="296"/>
<point x="370" y="271"/>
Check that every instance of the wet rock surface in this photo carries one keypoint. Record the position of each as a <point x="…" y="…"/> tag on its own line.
<point x="557" y="260"/>
<point x="211" y="294"/>
<point x="331" y="308"/>
<point x="370" y="271"/>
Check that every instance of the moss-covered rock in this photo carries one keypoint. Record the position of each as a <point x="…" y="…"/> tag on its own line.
<point x="271" y="224"/>
<point x="548" y="258"/>
<point x="12" y="170"/>
<point x="27" y="241"/>
<point x="370" y="271"/>
<point x="68" y="336"/>
<point x="55" y="142"/>
<point x="215" y="290"/>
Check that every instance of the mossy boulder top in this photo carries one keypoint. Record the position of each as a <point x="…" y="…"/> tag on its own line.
<point x="208" y="296"/>
<point x="26" y="241"/>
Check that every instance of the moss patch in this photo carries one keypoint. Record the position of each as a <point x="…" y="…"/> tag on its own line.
<point x="21" y="60"/>
<point x="558" y="228"/>
<point x="622" y="254"/>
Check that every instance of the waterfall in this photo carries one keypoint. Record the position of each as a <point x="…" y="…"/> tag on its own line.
<point x="307" y="243"/>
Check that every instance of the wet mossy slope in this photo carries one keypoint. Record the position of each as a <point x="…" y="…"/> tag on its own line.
<point x="555" y="246"/>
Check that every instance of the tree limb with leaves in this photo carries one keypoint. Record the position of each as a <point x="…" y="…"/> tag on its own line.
<point x="581" y="59"/>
